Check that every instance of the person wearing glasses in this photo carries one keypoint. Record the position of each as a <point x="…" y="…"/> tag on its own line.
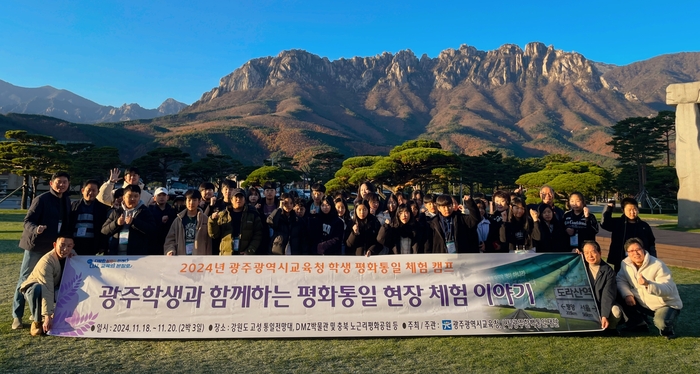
<point x="547" y="195"/>
<point x="647" y="288"/>
<point x="452" y="231"/>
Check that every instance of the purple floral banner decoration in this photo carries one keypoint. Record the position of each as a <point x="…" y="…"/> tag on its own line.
<point x="67" y="321"/>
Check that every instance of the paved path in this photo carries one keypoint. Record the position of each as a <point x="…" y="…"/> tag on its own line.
<point x="681" y="239"/>
<point x="673" y="247"/>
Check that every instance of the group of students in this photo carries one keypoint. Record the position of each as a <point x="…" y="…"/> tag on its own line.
<point x="247" y="223"/>
<point x="127" y="220"/>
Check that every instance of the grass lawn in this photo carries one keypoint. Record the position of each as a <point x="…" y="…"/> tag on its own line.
<point x="674" y="227"/>
<point x="671" y="218"/>
<point x="648" y="353"/>
<point x="645" y="217"/>
<point x="659" y="217"/>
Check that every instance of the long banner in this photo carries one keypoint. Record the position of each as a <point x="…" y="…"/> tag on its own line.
<point x="195" y="297"/>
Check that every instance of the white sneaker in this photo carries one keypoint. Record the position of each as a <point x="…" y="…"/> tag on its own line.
<point x="17" y="324"/>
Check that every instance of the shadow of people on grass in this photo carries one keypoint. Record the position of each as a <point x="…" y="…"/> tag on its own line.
<point x="688" y="324"/>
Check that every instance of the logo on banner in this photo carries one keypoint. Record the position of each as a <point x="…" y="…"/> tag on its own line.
<point x="447" y="324"/>
<point x="102" y="263"/>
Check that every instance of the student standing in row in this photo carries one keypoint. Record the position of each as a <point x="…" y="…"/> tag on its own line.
<point x="519" y="230"/>
<point x="87" y="216"/>
<point x="131" y="225"/>
<point x="625" y="227"/>
<point x="362" y="240"/>
<point x="45" y="218"/>
<point x="188" y="234"/>
<point x="163" y="214"/>
<point x="325" y="230"/>
<point x="403" y="235"/>
<point x="581" y="226"/>
<point x="452" y="231"/>
<point x="286" y="228"/>
<point x="238" y="227"/>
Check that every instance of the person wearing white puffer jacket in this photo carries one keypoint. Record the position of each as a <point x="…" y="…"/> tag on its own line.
<point x="647" y="288"/>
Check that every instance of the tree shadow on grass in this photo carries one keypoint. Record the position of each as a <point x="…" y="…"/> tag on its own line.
<point x="12" y="215"/>
<point x="8" y="246"/>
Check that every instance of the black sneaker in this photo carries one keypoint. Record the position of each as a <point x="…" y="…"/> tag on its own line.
<point x="610" y="332"/>
<point x="668" y="333"/>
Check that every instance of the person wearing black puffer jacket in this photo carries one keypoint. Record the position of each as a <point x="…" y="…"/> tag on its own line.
<point x="325" y="230"/>
<point x="402" y="235"/>
<point x="131" y="226"/>
<point x="520" y="230"/>
<point x="342" y="208"/>
<point x="286" y="228"/>
<point x="627" y="226"/>
<point x="580" y="224"/>
<point x="553" y="236"/>
<point x="362" y="240"/>
<point x="452" y="231"/>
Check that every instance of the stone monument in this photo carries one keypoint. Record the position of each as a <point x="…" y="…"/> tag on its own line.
<point x="686" y="98"/>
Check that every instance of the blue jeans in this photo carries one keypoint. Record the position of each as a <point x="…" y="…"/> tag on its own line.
<point x="33" y="295"/>
<point x="28" y="263"/>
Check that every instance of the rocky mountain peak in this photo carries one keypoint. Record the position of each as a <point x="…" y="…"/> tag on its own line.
<point x="171" y="106"/>
<point x="536" y="49"/>
<point x="504" y="65"/>
<point x="468" y="50"/>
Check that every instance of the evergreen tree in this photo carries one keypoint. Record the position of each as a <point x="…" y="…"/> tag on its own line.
<point x="212" y="167"/>
<point x="665" y="123"/>
<point x="90" y="162"/>
<point x="271" y="174"/>
<point x="161" y="163"/>
<point x="637" y="141"/>
<point x="32" y="157"/>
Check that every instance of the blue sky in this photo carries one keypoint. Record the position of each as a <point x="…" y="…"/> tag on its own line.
<point x="116" y="52"/>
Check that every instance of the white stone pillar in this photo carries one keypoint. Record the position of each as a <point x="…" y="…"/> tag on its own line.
<point x="686" y="98"/>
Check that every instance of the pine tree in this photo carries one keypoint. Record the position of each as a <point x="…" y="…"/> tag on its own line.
<point x="637" y="141"/>
<point x="32" y="157"/>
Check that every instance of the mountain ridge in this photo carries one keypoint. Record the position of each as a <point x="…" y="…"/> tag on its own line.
<point x="525" y="101"/>
<point x="66" y="105"/>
